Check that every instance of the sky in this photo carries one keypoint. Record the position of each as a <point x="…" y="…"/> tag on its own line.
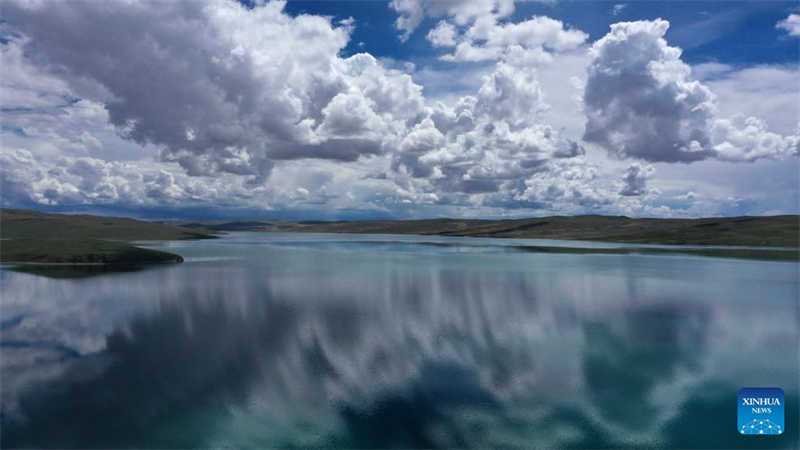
<point x="400" y="109"/>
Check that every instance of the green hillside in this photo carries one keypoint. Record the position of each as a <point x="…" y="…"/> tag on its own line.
<point x="33" y="237"/>
<point x="770" y="231"/>
<point x="27" y="224"/>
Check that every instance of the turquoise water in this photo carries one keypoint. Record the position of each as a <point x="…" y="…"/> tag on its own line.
<point x="268" y="340"/>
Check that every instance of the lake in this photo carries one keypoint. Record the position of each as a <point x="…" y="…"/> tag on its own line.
<point x="268" y="340"/>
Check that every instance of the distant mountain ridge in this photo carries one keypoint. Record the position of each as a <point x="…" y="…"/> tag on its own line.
<point x="34" y="237"/>
<point x="770" y="231"/>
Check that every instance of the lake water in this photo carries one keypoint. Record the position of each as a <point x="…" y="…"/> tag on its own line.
<point x="305" y="340"/>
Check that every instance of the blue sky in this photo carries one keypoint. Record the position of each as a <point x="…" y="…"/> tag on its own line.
<point x="400" y="109"/>
<point x="731" y="31"/>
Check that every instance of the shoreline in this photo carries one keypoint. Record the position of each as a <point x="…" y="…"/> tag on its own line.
<point x="771" y="254"/>
<point x="746" y="231"/>
<point x="84" y="264"/>
<point x="80" y="252"/>
<point x="668" y="246"/>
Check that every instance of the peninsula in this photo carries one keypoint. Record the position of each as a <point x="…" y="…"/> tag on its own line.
<point x="32" y="237"/>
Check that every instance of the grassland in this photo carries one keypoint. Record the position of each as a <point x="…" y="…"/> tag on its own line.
<point x="41" y="238"/>
<point x="763" y="254"/>
<point x="772" y="231"/>
<point x="26" y="224"/>
<point x="33" y="237"/>
<point x="84" y="251"/>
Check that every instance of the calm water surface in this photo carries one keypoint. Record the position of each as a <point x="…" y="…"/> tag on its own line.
<point x="306" y="340"/>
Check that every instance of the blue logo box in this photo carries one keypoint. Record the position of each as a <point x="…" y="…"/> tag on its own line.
<point x="760" y="411"/>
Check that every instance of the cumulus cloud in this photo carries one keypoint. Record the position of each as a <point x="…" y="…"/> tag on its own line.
<point x="569" y="186"/>
<point x="768" y="92"/>
<point x="209" y="86"/>
<point x="197" y="107"/>
<point x="493" y="147"/>
<point x="476" y="152"/>
<point x="639" y="99"/>
<point x="474" y="30"/>
<point x="443" y="35"/>
<point x="31" y="180"/>
<point x="641" y="102"/>
<point x="412" y="12"/>
<point x="323" y="189"/>
<point x="486" y="145"/>
<point x="487" y="39"/>
<point x="635" y="179"/>
<point x="790" y="24"/>
<point x="482" y="148"/>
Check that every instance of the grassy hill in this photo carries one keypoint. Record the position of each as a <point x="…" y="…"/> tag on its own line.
<point x="772" y="231"/>
<point x="84" y="251"/>
<point x="39" y="238"/>
<point x="26" y="224"/>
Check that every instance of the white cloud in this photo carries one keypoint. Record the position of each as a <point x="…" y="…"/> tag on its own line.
<point x="20" y="90"/>
<point x="355" y="134"/>
<point x="32" y="180"/>
<point x="487" y="39"/>
<point x="635" y="179"/>
<point x="43" y="114"/>
<point x="485" y="148"/>
<point x="617" y="8"/>
<point x="216" y="72"/>
<point x="747" y="139"/>
<point x="791" y="25"/>
<point x="474" y="32"/>
<point x="769" y="92"/>
<point x="412" y="12"/>
<point x="312" y="103"/>
<point x="641" y="102"/>
<point x="443" y="35"/>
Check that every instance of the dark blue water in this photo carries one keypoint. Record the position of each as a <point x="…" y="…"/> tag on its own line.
<point x="300" y="340"/>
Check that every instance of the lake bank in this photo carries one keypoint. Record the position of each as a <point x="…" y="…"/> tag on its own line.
<point x="32" y="237"/>
<point x="767" y="231"/>
<point x="81" y="239"/>
<point x="760" y="254"/>
<point x="79" y="252"/>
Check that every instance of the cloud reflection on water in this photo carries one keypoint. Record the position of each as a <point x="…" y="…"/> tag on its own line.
<point x="288" y="347"/>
